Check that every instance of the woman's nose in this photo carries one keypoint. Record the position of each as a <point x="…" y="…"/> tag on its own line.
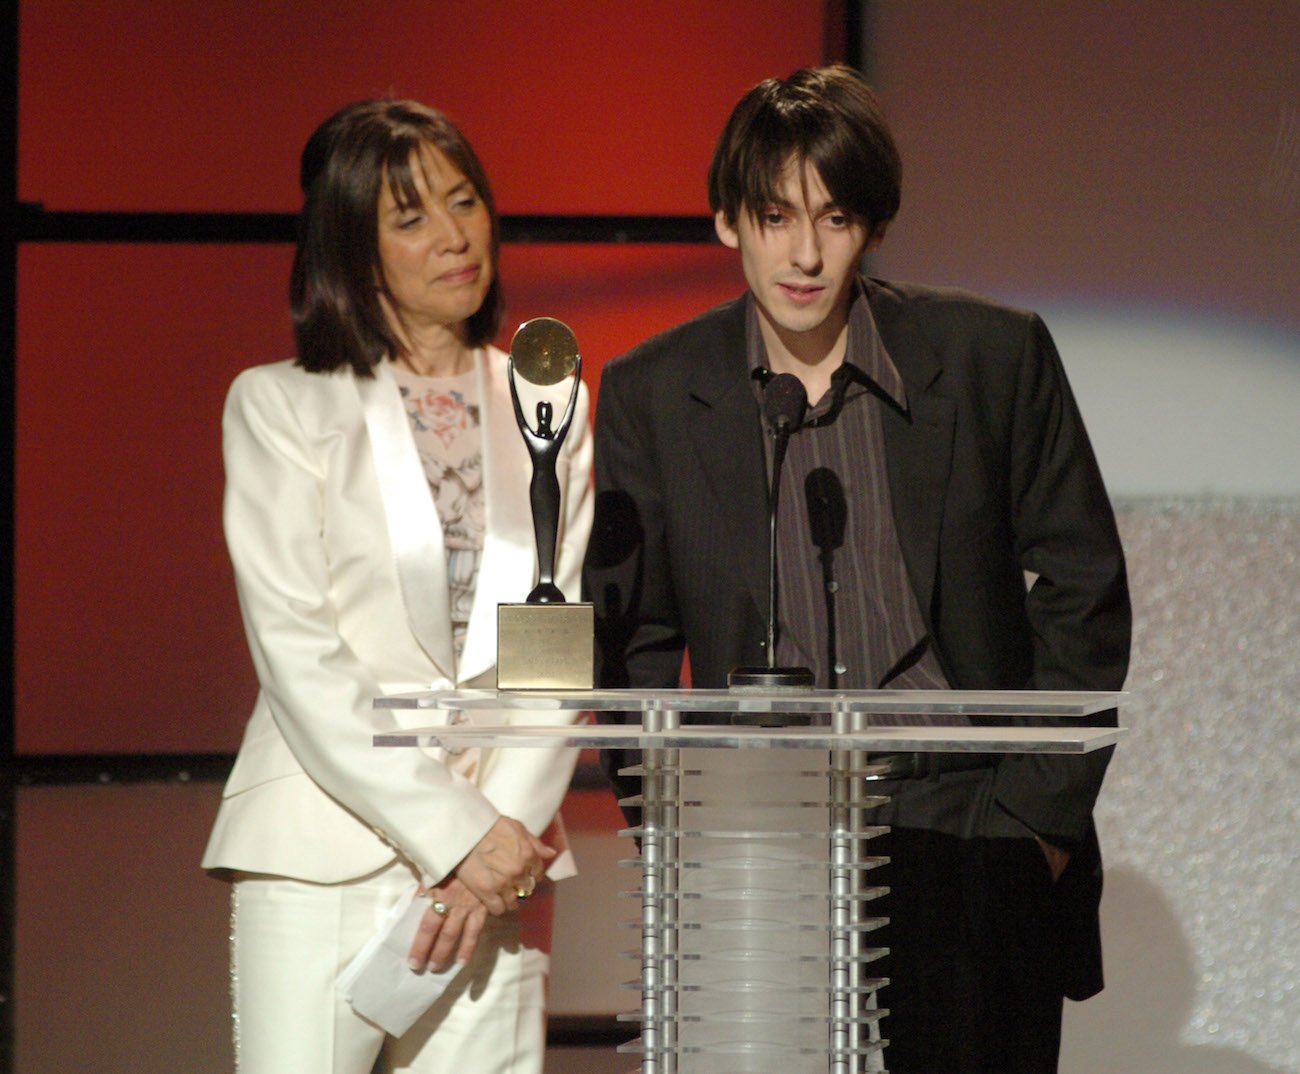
<point x="451" y="236"/>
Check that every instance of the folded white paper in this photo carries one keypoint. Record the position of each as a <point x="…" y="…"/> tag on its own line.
<point x="380" y="985"/>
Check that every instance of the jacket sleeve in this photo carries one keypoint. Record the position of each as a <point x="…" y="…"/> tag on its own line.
<point x="318" y="691"/>
<point x="1077" y="604"/>
<point x="639" y="637"/>
<point x="640" y="641"/>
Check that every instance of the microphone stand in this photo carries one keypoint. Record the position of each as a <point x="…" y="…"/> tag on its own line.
<point x="827" y="518"/>
<point x="832" y="643"/>
<point x="784" y="403"/>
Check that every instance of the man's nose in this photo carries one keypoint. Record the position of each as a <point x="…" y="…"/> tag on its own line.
<point x="806" y="248"/>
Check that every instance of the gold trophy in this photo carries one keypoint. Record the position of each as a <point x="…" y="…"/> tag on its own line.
<point x="546" y="642"/>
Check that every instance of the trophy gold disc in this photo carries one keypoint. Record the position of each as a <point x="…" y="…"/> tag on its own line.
<point x="544" y="351"/>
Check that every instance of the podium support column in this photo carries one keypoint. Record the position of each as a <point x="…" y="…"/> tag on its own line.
<point x="844" y="818"/>
<point x="660" y="860"/>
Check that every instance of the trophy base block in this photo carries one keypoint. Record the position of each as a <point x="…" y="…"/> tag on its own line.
<point x="545" y="646"/>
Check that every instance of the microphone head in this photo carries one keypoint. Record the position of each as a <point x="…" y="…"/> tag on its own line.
<point x="828" y="511"/>
<point x="784" y="402"/>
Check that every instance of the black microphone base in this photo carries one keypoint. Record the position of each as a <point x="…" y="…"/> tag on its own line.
<point x="756" y="680"/>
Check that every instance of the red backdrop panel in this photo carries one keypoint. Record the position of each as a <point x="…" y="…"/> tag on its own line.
<point x="128" y="637"/>
<point x="576" y="107"/>
<point x="128" y="633"/>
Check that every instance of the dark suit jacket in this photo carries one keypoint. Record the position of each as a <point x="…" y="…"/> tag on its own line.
<point x="991" y="475"/>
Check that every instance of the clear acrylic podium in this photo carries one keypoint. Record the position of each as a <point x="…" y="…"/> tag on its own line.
<point x="755" y="866"/>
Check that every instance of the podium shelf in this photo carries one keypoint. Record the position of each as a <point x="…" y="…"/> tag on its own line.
<point x="900" y="739"/>
<point x="881" y="702"/>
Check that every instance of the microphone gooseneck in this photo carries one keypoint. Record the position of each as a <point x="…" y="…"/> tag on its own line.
<point x="785" y="402"/>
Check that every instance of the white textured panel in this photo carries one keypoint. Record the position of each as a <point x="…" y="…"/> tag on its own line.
<point x="1200" y="815"/>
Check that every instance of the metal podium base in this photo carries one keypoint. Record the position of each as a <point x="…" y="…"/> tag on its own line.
<point x="757" y="907"/>
<point x="757" y="911"/>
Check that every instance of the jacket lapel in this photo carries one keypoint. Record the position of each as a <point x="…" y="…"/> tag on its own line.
<point x="509" y="551"/>
<point x="918" y="444"/>
<point x="413" y="526"/>
<point x="723" y="424"/>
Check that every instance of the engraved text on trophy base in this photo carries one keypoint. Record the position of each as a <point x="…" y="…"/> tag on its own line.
<point x="545" y="647"/>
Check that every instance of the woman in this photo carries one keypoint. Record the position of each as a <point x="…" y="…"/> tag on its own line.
<point x="376" y="512"/>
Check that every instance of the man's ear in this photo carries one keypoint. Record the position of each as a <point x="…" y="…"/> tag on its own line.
<point x="727" y="233"/>
<point x="877" y="237"/>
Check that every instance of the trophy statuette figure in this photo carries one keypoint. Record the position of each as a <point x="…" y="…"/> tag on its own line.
<point x="546" y="642"/>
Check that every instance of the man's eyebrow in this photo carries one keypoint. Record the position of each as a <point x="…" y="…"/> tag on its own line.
<point x="828" y="206"/>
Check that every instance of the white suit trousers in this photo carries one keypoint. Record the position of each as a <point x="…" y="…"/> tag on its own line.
<point x="289" y="942"/>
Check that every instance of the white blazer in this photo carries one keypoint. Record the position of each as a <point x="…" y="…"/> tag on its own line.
<point x="342" y="579"/>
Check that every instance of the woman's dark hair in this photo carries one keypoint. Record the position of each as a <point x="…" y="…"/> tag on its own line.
<point x="337" y="277"/>
<point x="826" y="115"/>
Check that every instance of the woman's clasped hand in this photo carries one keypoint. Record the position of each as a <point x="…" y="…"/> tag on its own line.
<point x="502" y="869"/>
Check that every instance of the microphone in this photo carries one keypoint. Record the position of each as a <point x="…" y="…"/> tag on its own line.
<point x="827" y="517"/>
<point x="828" y="513"/>
<point x="784" y="403"/>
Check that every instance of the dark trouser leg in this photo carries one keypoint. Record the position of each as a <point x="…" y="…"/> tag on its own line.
<point x="974" y="981"/>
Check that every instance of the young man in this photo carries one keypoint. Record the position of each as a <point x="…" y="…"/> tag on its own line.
<point x="948" y="425"/>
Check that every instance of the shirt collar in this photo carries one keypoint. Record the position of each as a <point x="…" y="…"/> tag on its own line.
<point x="866" y="362"/>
